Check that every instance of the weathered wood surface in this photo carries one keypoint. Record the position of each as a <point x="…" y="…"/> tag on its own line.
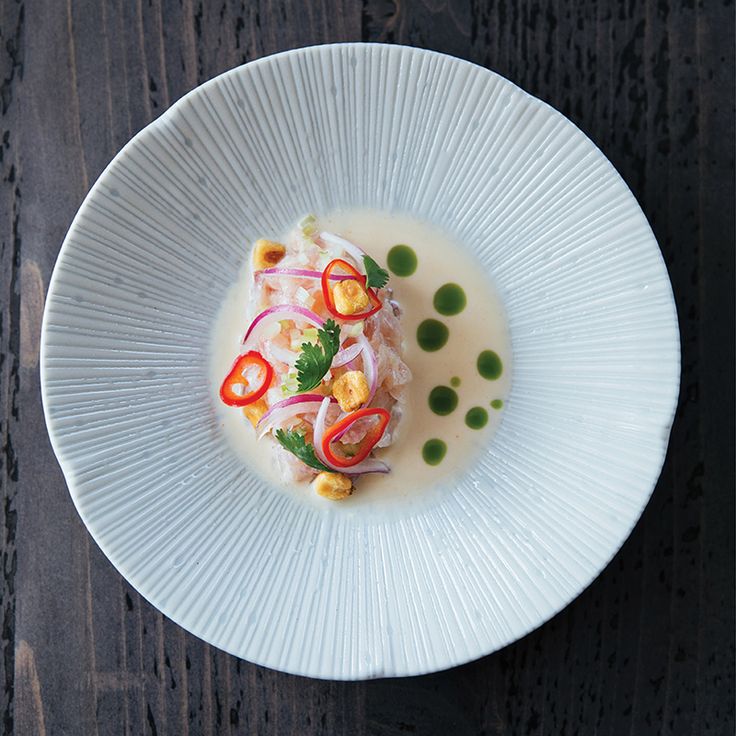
<point x="649" y="647"/>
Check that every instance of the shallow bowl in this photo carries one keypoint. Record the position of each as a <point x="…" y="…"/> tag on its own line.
<point x="401" y="589"/>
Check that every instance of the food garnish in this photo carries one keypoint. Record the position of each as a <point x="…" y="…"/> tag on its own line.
<point x="295" y="443"/>
<point x="374" y="275"/>
<point x="355" y="275"/>
<point x="315" y="360"/>
<point x="248" y="368"/>
<point x="334" y="486"/>
<point x="267" y="253"/>
<point x="310" y="369"/>
<point x="373" y="434"/>
<point x="351" y="390"/>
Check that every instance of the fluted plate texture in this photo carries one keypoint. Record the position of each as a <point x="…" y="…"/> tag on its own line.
<point x="399" y="589"/>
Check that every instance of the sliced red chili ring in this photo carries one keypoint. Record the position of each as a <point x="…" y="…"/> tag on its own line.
<point x="354" y="273"/>
<point x="235" y="378"/>
<point x="367" y="444"/>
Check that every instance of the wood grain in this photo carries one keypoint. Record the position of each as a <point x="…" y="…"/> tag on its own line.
<point x="649" y="647"/>
<point x="11" y="33"/>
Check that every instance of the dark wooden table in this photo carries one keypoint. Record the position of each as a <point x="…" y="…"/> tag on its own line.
<point x="649" y="647"/>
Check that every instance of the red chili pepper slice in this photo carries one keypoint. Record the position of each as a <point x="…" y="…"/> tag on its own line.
<point x="235" y="377"/>
<point x="372" y="436"/>
<point x="327" y="291"/>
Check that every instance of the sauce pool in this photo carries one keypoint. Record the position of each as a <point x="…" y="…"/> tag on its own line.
<point x="434" y="451"/>
<point x="476" y="418"/>
<point x="450" y="299"/>
<point x="402" y="260"/>
<point x="429" y="447"/>
<point x="490" y="365"/>
<point x="443" y="400"/>
<point x="432" y="335"/>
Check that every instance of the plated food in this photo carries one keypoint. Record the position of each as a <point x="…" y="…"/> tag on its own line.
<point x="359" y="365"/>
<point x="320" y="369"/>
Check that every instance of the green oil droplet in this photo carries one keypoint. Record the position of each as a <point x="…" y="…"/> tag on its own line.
<point x="402" y="260"/>
<point x="490" y="365"/>
<point x="497" y="404"/>
<point x="434" y="451"/>
<point x="432" y="335"/>
<point x="450" y="299"/>
<point x="454" y="382"/>
<point x="476" y="418"/>
<point x="443" y="400"/>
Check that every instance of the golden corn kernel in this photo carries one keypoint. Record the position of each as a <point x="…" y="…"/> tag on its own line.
<point x="334" y="486"/>
<point x="267" y="253"/>
<point x="350" y="297"/>
<point x="351" y="390"/>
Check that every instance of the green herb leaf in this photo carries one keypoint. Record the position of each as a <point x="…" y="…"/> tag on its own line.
<point x="295" y="443"/>
<point x="315" y="360"/>
<point x="374" y="274"/>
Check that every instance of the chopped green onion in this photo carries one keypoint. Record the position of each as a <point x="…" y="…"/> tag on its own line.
<point x="356" y="329"/>
<point x="310" y="334"/>
<point x="308" y="226"/>
<point x="290" y="385"/>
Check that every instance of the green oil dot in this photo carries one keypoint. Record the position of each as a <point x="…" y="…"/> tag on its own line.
<point x="433" y="451"/>
<point x="454" y="382"/>
<point x="497" y="404"/>
<point x="450" y="299"/>
<point x="476" y="418"/>
<point x="402" y="260"/>
<point x="490" y="365"/>
<point x="443" y="400"/>
<point x="432" y="335"/>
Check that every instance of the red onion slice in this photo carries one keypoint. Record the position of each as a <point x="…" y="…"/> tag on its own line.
<point x="351" y="249"/>
<point x="319" y="431"/>
<point x="300" y="272"/>
<point x="277" y="313"/>
<point x="347" y="355"/>
<point x="283" y="410"/>
<point x="369" y="465"/>
<point x="370" y="366"/>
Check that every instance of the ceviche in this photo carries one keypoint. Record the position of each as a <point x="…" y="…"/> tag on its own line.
<point x="320" y="374"/>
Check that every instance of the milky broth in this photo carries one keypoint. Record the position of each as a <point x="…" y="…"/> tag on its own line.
<point x="480" y="326"/>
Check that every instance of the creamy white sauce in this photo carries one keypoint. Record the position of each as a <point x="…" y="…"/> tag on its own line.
<point x="480" y="326"/>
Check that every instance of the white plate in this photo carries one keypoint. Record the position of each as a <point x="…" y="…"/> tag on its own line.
<point x="405" y="589"/>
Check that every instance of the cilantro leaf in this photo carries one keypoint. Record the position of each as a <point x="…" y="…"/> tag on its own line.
<point x="315" y="360"/>
<point x="295" y="443"/>
<point x="374" y="274"/>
